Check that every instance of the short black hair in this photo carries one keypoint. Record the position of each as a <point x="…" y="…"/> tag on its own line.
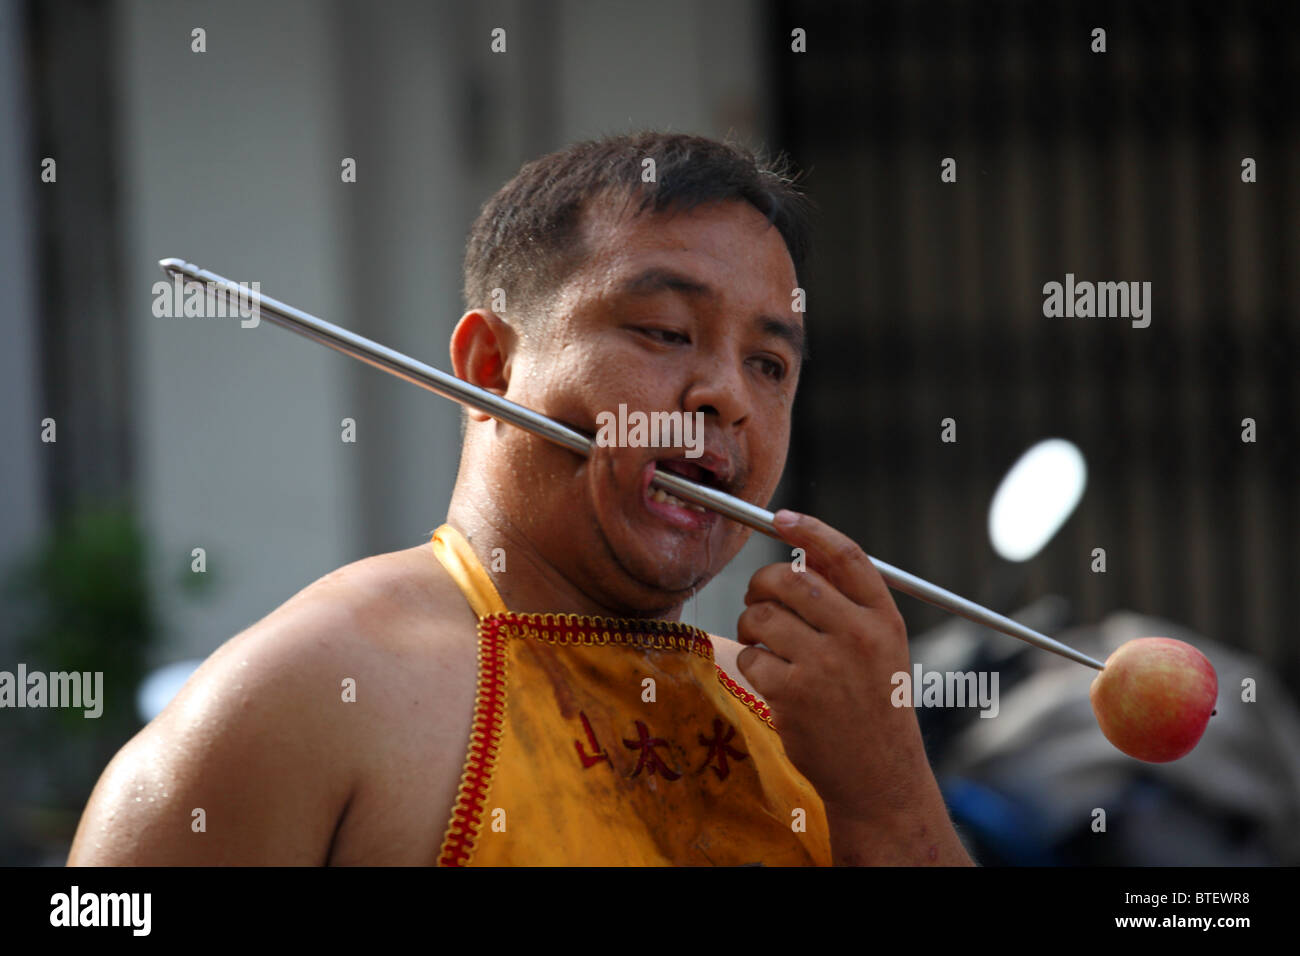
<point x="525" y="239"/>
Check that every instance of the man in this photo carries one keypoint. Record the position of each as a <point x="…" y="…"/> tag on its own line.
<point x="482" y="728"/>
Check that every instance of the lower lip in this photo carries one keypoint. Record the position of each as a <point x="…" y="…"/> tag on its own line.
<point x="675" y="515"/>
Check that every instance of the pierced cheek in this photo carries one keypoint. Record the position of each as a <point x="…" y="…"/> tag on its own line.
<point x="607" y="474"/>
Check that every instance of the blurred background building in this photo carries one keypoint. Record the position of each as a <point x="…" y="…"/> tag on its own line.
<point x="925" y="302"/>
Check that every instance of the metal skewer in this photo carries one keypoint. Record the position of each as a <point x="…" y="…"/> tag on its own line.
<point x="458" y="390"/>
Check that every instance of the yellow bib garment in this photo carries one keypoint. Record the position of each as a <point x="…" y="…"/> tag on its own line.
<point x="576" y="758"/>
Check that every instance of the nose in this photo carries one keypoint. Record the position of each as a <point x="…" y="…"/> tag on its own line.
<point x="716" y="387"/>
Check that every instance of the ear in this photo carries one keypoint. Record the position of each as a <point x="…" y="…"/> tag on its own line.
<point x="481" y="346"/>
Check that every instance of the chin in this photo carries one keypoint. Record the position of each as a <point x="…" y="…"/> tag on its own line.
<point x="668" y="570"/>
<point x="649" y="555"/>
<point x="661" y="580"/>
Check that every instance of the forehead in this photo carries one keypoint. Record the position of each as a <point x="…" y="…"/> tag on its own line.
<point x="729" y="246"/>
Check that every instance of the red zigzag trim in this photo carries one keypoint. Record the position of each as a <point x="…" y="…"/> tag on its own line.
<point x="485" y="738"/>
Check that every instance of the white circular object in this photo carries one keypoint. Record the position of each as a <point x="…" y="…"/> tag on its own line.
<point x="160" y="686"/>
<point x="1038" y="494"/>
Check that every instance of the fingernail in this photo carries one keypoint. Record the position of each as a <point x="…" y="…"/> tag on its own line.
<point x="785" y="519"/>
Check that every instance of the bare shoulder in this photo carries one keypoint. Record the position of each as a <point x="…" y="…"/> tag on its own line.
<point x="262" y="753"/>
<point x="725" y="651"/>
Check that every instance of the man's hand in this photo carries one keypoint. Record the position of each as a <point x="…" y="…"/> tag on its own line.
<point x="834" y="638"/>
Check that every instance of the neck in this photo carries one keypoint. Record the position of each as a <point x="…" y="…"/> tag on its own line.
<point x="532" y="583"/>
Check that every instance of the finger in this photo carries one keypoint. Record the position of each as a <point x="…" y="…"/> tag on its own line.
<point x="767" y="673"/>
<point x="806" y="593"/>
<point x="779" y="629"/>
<point x="837" y="556"/>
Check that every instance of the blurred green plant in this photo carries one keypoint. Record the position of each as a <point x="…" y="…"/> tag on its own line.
<point x="83" y="603"/>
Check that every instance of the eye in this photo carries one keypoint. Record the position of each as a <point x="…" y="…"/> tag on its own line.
<point x="771" y="368"/>
<point x="666" y="336"/>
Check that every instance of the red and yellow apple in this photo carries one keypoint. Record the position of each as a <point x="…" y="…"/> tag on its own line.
<point x="1154" y="698"/>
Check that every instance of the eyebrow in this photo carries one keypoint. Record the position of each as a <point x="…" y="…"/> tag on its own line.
<point x="658" y="279"/>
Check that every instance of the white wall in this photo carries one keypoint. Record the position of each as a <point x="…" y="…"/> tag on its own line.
<point x="229" y="160"/>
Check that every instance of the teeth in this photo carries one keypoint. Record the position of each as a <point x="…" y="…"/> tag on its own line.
<point x="662" y="497"/>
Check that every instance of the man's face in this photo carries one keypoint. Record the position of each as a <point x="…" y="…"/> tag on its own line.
<point x="678" y="312"/>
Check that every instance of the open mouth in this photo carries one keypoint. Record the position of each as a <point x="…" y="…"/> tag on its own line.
<point x="709" y="471"/>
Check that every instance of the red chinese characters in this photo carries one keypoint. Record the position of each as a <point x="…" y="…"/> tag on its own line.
<point x="590" y="760"/>
<point x="651" y="759"/>
<point x="719" y="747"/>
